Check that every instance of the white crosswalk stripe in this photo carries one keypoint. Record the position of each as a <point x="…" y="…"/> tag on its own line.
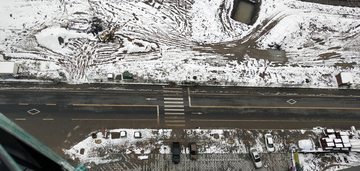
<point x="174" y="106"/>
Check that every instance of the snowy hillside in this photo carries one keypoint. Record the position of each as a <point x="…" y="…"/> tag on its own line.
<point x="182" y="41"/>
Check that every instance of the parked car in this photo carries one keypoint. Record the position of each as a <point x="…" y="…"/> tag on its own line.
<point x="193" y="151"/>
<point x="269" y="143"/>
<point x="255" y="157"/>
<point x="176" y="152"/>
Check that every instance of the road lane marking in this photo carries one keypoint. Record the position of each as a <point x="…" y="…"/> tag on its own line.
<point x="48" y="119"/>
<point x="175" y="125"/>
<point x="196" y="113"/>
<point x="151" y="99"/>
<point x="23" y="103"/>
<point x="174" y="113"/>
<point x="114" y="105"/>
<point x="170" y="91"/>
<point x="178" y="99"/>
<point x="20" y="119"/>
<point x="170" y="88"/>
<point x="238" y="120"/>
<point x="173" y="95"/>
<point x="174" y="102"/>
<point x="174" y="120"/>
<point x="270" y="107"/>
<point x="85" y="119"/>
<point x="157" y="114"/>
<point x="179" y="110"/>
<point x="51" y="104"/>
<point x="189" y="97"/>
<point x="174" y="117"/>
<point x="180" y="106"/>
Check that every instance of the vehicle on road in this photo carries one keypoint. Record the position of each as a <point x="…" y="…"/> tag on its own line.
<point x="176" y="152"/>
<point x="255" y="157"/>
<point x="193" y="151"/>
<point x="137" y="134"/>
<point x="269" y="143"/>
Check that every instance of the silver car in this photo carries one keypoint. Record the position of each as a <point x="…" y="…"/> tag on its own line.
<point x="255" y="157"/>
<point x="269" y="143"/>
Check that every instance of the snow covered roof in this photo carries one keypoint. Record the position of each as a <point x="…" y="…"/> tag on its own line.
<point x="7" y="67"/>
<point x="346" y="77"/>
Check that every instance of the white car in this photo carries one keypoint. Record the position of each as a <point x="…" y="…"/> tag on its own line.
<point x="255" y="157"/>
<point x="269" y="143"/>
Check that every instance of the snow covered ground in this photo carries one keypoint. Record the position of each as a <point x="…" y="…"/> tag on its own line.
<point x="173" y="41"/>
<point x="212" y="141"/>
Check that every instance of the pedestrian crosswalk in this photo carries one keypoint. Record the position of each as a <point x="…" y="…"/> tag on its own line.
<point x="174" y="107"/>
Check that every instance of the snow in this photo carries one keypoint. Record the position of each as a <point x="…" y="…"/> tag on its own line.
<point x="165" y="42"/>
<point x="306" y="145"/>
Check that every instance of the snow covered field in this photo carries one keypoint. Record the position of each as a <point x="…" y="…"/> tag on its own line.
<point x="214" y="141"/>
<point x="173" y="41"/>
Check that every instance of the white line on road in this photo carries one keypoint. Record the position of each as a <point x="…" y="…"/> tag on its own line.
<point x="151" y="99"/>
<point x="170" y="88"/>
<point x="157" y="114"/>
<point x="84" y="119"/>
<point x="174" y="120"/>
<point x="169" y="91"/>
<point x="173" y="95"/>
<point x="20" y="119"/>
<point x="173" y="113"/>
<point x="180" y="106"/>
<point x="178" y="99"/>
<point x="174" y="102"/>
<point x="48" y="119"/>
<point x="189" y="97"/>
<point x="174" y="117"/>
<point x="174" y="124"/>
<point x="174" y="110"/>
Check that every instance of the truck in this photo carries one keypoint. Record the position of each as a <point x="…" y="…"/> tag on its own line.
<point x="176" y="152"/>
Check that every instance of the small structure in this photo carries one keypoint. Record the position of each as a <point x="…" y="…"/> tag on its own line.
<point x="127" y="75"/>
<point x="110" y="76"/>
<point x="8" y="68"/>
<point x="335" y="141"/>
<point x="344" y="78"/>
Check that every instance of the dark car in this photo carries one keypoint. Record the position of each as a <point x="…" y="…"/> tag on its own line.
<point x="176" y="152"/>
<point x="193" y="151"/>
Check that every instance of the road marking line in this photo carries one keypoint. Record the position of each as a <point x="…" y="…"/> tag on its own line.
<point x="181" y="106"/>
<point x="170" y="91"/>
<point x="114" y="105"/>
<point x="196" y="113"/>
<point x="172" y="113"/>
<point x="84" y="119"/>
<point x="174" y="117"/>
<point x="51" y="104"/>
<point x="170" y="88"/>
<point x="178" y="99"/>
<point x="48" y="119"/>
<point x="174" y="124"/>
<point x="23" y="103"/>
<point x="151" y="99"/>
<point x="173" y="95"/>
<point x="174" y="110"/>
<point x="20" y="119"/>
<point x="157" y="114"/>
<point x="233" y="120"/>
<point x="174" y="120"/>
<point x="189" y="97"/>
<point x="174" y="102"/>
<point x="270" y="107"/>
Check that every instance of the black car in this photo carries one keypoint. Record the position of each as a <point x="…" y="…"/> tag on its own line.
<point x="176" y="152"/>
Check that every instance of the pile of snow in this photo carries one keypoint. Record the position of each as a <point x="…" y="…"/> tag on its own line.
<point x="306" y="145"/>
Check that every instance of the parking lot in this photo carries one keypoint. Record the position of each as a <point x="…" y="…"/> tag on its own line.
<point x="228" y="162"/>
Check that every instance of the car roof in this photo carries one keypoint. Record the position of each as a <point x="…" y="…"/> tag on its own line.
<point x="270" y="140"/>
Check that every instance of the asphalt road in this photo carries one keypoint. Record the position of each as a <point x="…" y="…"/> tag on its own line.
<point x="58" y="116"/>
